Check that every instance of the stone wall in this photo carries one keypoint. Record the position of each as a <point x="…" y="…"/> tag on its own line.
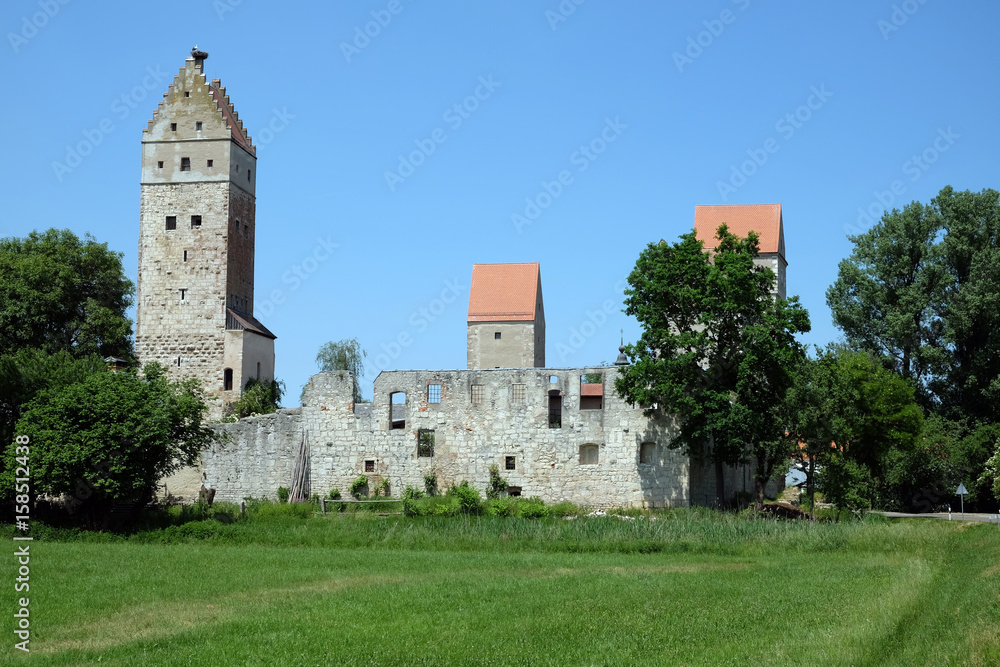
<point x="483" y="417"/>
<point x="516" y="348"/>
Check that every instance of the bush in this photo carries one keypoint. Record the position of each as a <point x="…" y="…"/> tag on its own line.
<point x="431" y="484"/>
<point x="532" y="508"/>
<point x="501" y="507"/>
<point x="359" y="487"/>
<point x="498" y="485"/>
<point x="470" y="502"/>
<point x="333" y="495"/>
<point x="412" y="494"/>
<point x="564" y="508"/>
<point x="283" y="492"/>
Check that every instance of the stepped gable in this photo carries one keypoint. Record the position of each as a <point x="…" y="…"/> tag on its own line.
<point x="764" y="219"/>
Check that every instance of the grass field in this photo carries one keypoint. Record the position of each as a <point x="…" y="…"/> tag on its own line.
<point x="691" y="587"/>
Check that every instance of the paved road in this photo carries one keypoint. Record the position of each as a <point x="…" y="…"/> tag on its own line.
<point x="955" y="516"/>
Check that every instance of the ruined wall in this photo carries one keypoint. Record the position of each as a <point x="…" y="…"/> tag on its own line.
<point x="510" y="419"/>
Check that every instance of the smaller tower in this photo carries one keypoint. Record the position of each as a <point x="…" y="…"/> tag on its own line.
<point x="506" y="317"/>
<point x="764" y="219"/>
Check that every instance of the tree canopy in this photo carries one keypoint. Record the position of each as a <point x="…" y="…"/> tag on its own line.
<point x="58" y="292"/>
<point x="344" y="355"/>
<point x="716" y="350"/>
<point x="112" y="436"/>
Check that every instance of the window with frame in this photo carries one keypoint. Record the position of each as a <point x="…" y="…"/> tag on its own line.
<point x="478" y="394"/>
<point x="589" y="455"/>
<point x="647" y="453"/>
<point x="171" y="222"/>
<point x="518" y="393"/>
<point x="185" y="164"/>
<point x="510" y="463"/>
<point x="195" y="221"/>
<point x="197" y="126"/>
<point x="433" y="393"/>
<point x="425" y="443"/>
<point x="369" y="465"/>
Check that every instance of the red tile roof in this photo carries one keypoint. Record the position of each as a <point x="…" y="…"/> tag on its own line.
<point x="588" y="389"/>
<point x="240" y="135"/>
<point x="765" y="219"/>
<point x="504" y="292"/>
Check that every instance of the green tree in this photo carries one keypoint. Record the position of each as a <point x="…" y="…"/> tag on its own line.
<point x="112" y="437"/>
<point x="716" y="350"/>
<point x="58" y="292"/>
<point x="991" y="473"/>
<point x="344" y="355"/>
<point x="257" y="398"/>
<point x="846" y="484"/>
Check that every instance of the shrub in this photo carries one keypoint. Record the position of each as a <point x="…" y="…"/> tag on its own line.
<point x="470" y="502"/>
<point x="333" y="495"/>
<point x="564" y="508"/>
<point x="532" y="508"/>
<point x="431" y="484"/>
<point x="498" y="485"/>
<point x="383" y="487"/>
<point x="283" y="492"/>
<point x="501" y="507"/>
<point x="412" y="494"/>
<point x="359" y="487"/>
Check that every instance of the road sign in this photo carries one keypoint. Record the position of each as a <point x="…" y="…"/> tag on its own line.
<point x="961" y="490"/>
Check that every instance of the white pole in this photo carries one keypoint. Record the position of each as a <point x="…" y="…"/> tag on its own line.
<point x="963" y="506"/>
<point x="949" y="512"/>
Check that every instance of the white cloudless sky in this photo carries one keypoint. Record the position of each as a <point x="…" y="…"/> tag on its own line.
<point x="853" y="98"/>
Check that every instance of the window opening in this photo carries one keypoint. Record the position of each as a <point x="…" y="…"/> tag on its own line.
<point x="195" y="221"/>
<point x="369" y="465"/>
<point x="173" y="127"/>
<point x="159" y="164"/>
<point x="588" y="455"/>
<point x="185" y="164"/>
<point x="397" y="410"/>
<point x="555" y="409"/>
<point x="171" y="222"/>
<point x="509" y="463"/>
<point x="496" y="335"/>
<point x="197" y="126"/>
<point x="647" y="453"/>
<point x="185" y="255"/>
<point x="478" y="394"/>
<point x="425" y="443"/>
<point x="591" y="391"/>
<point x="209" y="163"/>
<point x="433" y="393"/>
<point x="517" y="393"/>
<point x="227" y="379"/>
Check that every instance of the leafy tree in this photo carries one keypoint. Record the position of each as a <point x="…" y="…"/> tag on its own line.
<point x="257" y="398"/>
<point x="716" y="350"/>
<point x="60" y="293"/>
<point x="846" y="484"/>
<point x="991" y="473"/>
<point x="344" y="355"/>
<point x="112" y="437"/>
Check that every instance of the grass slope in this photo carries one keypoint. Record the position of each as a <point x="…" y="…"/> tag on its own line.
<point x="692" y="588"/>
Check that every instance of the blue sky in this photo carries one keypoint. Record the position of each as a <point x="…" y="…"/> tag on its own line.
<point x="902" y="94"/>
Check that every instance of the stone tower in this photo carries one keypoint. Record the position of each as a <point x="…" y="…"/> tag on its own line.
<point x="197" y="221"/>
<point x="506" y="317"/>
<point x="764" y="219"/>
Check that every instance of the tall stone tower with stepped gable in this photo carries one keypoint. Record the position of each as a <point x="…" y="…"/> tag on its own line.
<point x="197" y="225"/>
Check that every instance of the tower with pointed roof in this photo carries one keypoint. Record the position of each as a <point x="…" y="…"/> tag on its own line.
<point x="197" y="223"/>
<point x="741" y="219"/>
<point x="506" y="317"/>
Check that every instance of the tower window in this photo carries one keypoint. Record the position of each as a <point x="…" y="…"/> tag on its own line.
<point x="518" y="393"/>
<point x="171" y="222"/>
<point x="183" y="292"/>
<point x="208" y="163"/>
<point x="248" y="174"/>
<point x="185" y="164"/>
<point x="173" y="127"/>
<point x="258" y="370"/>
<point x="185" y="255"/>
<point x="195" y="221"/>
<point x="497" y="335"/>
<point x="178" y="362"/>
<point x="197" y="126"/>
<point x="510" y="463"/>
<point x="187" y="93"/>
<point x="433" y="393"/>
<point x="159" y="164"/>
<point x="227" y="379"/>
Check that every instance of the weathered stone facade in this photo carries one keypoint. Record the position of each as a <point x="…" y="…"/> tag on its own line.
<point x="600" y="457"/>
<point x="506" y="323"/>
<point x="194" y="310"/>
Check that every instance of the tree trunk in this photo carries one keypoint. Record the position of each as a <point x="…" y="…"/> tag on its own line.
<point x="720" y="485"/>
<point x="758" y="504"/>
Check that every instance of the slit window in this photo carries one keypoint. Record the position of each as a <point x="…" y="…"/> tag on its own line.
<point x="555" y="409"/>
<point x="185" y="255"/>
<point x="433" y="393"/>
<point x="195" y="221"/>
<point x="248" y="174"/>
<point x="185" y="164"/>
<point x="425" y="443"/>
<point x="588" y="455"/>
<point x="227" y="379"/>
<point x="518" y="393"/>
<point x="647" y="453"/>
<point x="171" y="222"/>
<point x="183" y="292"/>
<point x="510" y="463"/>
<point x="197" y="126"/>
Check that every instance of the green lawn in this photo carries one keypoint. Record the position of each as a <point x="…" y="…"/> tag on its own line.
<point x="692" y="588"/>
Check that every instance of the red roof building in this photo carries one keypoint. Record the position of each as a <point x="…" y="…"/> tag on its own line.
<point x="506" y="317"/>
<point x="763" y="219"/>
